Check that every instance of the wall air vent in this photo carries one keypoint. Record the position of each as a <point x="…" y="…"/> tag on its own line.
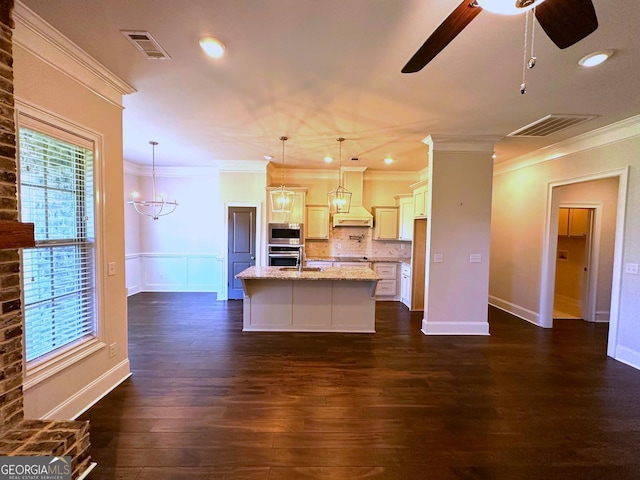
<point x="144" y="42"/>
<point x="550" y="124"/>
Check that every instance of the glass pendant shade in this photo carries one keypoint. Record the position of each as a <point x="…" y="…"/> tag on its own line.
<point x="339" y="200"/>
<point x="282" y="200"/>
<point x="508" y="7"/>
<point x="158" y="206"/>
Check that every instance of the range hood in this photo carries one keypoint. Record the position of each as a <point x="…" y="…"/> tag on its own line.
<point x="358" y="216"/>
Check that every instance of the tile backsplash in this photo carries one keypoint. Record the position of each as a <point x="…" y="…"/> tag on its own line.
<point x="355" y="242"/>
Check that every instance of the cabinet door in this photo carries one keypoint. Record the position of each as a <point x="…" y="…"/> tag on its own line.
<point x="579" y="220"/>
<point x="563" y="222"/>
<point x="317" y="226"/>
<point x="420" y="202"/>
<point x="405" y="222"/>
<point x="385" y="223"/>
<point x="405" y="290"/>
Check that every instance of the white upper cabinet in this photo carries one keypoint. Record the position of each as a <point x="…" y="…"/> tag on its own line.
<point x="405" y="220"/>
<point x="317" y="226"/>
<point x="385" y="223"/>
<point x="420" y="201"/>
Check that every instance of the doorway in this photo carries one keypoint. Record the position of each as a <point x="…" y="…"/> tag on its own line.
<point x="599" y="247"/>
<point x="241" y="247"/>
<point x="573" y="289"/>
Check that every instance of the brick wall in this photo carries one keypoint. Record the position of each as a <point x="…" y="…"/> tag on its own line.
<point x="11" y="314"/>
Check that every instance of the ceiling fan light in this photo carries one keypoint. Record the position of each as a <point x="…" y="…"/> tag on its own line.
<point x="508" y="7"/>
<point x="212" y="47"/>
<point x="595" y="58"/>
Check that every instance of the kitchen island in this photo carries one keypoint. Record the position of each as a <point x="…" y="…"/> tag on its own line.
<point x="328" y="299"/>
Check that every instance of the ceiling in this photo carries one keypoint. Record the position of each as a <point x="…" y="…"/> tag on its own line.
<point x="316" y="70"/>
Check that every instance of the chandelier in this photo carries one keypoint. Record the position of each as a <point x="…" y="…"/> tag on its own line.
<point x="281" y="198"/>
<point x="158" y="207"/>
<point x="339" y="199"/>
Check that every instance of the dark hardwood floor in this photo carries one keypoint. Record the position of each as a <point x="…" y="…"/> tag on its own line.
<point x="207" y="401"/>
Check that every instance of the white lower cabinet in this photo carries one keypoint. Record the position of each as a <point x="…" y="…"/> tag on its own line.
<point x="387" y="288"/>
<point x="405" y="284"/>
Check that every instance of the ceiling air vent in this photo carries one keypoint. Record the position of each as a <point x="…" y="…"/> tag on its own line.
<point x="550" y="124"/>
<point x="146" y="44"/>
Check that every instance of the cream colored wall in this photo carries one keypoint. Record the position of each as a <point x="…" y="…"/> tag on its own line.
<point x="456" y="290"/>
<point x="518" y="230"/>
<point x="41" y="85"/>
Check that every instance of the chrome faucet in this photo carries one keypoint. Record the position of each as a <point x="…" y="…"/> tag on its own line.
<point x="300" y="258"/>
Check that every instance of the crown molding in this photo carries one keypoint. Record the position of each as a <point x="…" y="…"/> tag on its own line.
<point x="607" y="135"/>
<point x="462" y="143"/>
<point x="146" y="171"/>
<point x="39" y="38"/>
<point x="242" y="166"/>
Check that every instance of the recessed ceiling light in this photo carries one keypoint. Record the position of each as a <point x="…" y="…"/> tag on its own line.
<point x="388" y="160"/>
<point x="212" y="47"/>
<point x="268" y="157"/>
<point x="595" y="58"/>
<point x="328" y="159"/>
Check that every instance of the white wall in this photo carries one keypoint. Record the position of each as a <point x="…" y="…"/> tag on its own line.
<point x="521" y="219"/>
<point x="182" y="251"/>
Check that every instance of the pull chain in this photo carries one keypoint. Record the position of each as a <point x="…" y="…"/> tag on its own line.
<point x="528" y="64"/>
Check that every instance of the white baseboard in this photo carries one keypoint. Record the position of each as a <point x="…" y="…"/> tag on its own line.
<point x="455" y="328"/>
<point x="516" y="310"/>
<point x="77" y="404"/>
<point x="628" y="356"/>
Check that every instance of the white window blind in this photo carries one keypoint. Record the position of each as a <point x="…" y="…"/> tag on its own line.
<point x="56" y="194"/>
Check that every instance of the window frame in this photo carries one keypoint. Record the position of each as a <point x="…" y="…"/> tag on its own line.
<point x="41" y="121"/>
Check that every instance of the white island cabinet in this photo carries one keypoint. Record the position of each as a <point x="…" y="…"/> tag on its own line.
<point x="315" y="300"/>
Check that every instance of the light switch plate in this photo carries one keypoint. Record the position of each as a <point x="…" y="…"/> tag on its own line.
<point x="111" y="269"/>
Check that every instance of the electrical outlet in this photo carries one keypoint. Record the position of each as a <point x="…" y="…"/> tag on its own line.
<point x="339" y="246"/>
<point x="438" y="258"/>
<point x="631" y="268"/>
<point x="112" y="350"/>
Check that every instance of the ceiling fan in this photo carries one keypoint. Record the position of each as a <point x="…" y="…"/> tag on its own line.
<point x="565" y="22"/>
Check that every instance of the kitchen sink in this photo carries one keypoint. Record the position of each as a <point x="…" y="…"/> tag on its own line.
<point x="304" y="269"/>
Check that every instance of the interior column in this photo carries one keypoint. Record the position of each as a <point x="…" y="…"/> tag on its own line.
<point x="458" y="235"/>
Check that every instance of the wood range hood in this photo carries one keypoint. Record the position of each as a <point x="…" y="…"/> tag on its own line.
<point x="14" y="234"/>
<point x="358" y="216"/>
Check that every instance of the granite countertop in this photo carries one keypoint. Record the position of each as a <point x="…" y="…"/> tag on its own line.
<point x="358" y="259"/>
<point x="328" y="273"/>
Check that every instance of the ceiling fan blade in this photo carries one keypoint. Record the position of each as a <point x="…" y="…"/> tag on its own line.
<point x="440" y="38"/>
<point x="567" y="21"/>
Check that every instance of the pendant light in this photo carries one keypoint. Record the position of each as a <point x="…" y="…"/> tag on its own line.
<point x="339" y="199"/>
<point x="158" y="206"/>
<point x="281" y="198"/>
